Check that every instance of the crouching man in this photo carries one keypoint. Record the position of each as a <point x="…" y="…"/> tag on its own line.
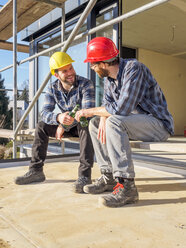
<point x="68" y="90"/>
<point x="134" y="107"/>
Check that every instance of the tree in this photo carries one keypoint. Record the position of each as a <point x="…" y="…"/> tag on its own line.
<point x="5" y="114"/>
<point x="3" y="98"/>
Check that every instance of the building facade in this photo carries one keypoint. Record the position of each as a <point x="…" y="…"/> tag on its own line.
<point x="155" y="37"/>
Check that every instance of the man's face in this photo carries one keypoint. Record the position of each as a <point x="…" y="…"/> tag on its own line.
<point x="66" y="74"/>
<point x="99" y="69"/>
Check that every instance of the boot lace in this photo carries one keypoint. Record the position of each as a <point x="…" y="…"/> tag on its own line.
<point x="117" y="188"/>
<point x="28" y="173"/>
<point x="102" y="178"/>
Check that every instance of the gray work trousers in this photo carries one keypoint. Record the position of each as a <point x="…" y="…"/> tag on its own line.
<point x="115" y="156"/>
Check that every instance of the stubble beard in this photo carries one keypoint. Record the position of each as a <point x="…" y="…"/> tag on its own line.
<point x="70" y="82"/>
<point x="102" y="72"/>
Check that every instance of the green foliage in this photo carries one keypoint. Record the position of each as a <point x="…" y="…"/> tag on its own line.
<point x="5" y="114"/>
<point x="3" y="98"/>
<point x="2" y="151"/>
<point x="9" y="144"/>
<point x="6" y="153"/>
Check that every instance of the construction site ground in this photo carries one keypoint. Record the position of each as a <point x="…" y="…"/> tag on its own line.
<point x="50" y="215"/>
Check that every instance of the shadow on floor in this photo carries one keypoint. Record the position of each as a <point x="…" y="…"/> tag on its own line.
<point x="149" y="202"/>
<point x="154" y="188"/>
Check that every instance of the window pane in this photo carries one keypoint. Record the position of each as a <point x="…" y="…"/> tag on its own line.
<point x="106" y="32"/>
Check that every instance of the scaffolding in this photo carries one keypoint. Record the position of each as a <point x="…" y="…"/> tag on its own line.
<point x="64" y="45"/>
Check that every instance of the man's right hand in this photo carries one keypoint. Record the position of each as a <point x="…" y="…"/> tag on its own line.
<point x="65" y="119"/>
<point x="59" y="132"/>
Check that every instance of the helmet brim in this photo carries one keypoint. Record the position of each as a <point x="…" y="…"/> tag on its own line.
<point x="102" y="58"/>
<point x="53" y="70"/>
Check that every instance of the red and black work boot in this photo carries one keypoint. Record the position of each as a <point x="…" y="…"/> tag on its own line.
<point x="124" y="193"/>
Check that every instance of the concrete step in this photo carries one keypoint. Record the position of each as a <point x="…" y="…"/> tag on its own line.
<point x="173" y="144"/>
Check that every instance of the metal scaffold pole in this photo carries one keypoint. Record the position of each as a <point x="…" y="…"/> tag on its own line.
<point x="63" y="23"/>
<point x="94" y="30"/>
<point x="14" y="74"/>
<point x="62" y="40"/>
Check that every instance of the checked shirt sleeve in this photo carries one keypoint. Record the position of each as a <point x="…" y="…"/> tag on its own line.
<point x="132" y="90"/>
<point x="49" y="105"/>
<point x="88" y="95"/>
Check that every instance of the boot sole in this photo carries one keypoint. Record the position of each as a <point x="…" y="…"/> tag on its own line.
<point x="95" y="192"/>
<point x="34" y="181"/>
<point x="101" y="201"/>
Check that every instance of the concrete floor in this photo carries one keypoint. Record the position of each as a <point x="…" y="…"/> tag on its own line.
<point x="50" y="215"/>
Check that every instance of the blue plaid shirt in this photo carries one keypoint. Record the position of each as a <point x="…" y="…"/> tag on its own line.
<point x="82" y="93"/>
<point x="136" y="90"/>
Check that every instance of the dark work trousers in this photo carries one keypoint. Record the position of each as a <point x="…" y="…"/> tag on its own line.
<point x="39" y="149"/>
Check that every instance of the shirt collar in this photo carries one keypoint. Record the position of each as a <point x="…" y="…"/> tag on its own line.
<point x="121" y="67"/>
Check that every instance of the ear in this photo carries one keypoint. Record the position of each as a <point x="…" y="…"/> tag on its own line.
<point x="56" y="75"/>
<point x="103" y="65"/>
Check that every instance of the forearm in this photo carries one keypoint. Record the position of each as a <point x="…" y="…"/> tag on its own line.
<point x="49" y="117"/>
<point x="99" y="111"/>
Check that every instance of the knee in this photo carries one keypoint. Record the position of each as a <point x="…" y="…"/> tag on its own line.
<point x="115" y="124"/>
<point x="40" y="125"/>
<point x="93" y="124"/>
<point x="112" y="121"/>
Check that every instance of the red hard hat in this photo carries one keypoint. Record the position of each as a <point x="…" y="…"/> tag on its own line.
<point x="101" y="49"/>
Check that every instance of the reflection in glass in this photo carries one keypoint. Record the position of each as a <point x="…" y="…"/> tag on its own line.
<point x="106" y="32"/>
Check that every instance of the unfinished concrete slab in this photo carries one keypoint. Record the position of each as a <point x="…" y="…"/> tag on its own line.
<point x="49" y="214"/>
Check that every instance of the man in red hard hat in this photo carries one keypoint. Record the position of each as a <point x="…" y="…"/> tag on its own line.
<point x="133" y="107"/>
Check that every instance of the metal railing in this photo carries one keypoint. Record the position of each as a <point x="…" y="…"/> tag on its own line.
<point x="93" y="30"/>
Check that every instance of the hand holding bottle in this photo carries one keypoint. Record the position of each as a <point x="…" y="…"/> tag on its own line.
<point x="65" y="119"/>
<point x="83" y="120"/>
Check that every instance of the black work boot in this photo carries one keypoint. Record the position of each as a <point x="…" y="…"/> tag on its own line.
<point x="104" y="183"/>
<point x="124" y="193"/>
<point x="80" y="183"/>
<point x="31" y="176"/>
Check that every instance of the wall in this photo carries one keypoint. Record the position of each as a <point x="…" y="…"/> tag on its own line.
<point x="170" y="73"/>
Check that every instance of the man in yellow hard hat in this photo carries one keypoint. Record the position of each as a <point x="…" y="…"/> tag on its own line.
<point x="134" y="107"/>
<point x="68" y="90"/>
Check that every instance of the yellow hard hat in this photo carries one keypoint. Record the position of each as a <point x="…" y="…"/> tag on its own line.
<point x="58" y="60"/>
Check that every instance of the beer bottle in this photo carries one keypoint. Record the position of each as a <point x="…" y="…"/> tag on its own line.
<point x="83" y="120"/>
<point x="74" y="110"/>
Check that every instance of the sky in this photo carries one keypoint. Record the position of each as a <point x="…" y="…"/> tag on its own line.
<point x="6" y="58"/>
